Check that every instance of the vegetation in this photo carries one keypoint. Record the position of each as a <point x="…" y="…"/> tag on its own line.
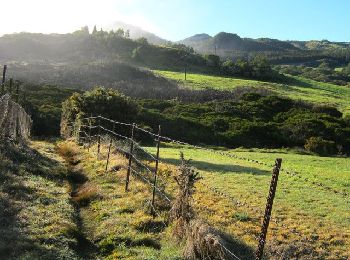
<point x="296" y="88"/>
<point x="264" y="121"/>
<point x="322" y="73"/>
<point x="38" y="220"/>
<point x="118" y="223"/>
<point x="308" y="220"/>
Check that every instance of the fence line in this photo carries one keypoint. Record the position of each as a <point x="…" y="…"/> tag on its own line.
<point x="15" y="123"/>
<point x="295" y="174"/>
<point x="165" y="139"/>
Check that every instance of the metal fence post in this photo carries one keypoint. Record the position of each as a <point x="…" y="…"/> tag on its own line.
<point x="268" y="210"/>
<point x="99" y="138"/>
<point x="130" y="158"/>
<point x="109" y="147"/>
<point x="156" y="168"/>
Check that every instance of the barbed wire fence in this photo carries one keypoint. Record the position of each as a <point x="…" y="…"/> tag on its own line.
<point x="144" y="165"/>
<point x="15" y="123"/>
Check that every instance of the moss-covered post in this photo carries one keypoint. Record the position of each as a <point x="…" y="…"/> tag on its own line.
<point x="89" y="138"/>
<point x="99" y="138"/>
<point x="130" y="158"/>
<point x="156" y="168"/>
<point x="109" y="147"/>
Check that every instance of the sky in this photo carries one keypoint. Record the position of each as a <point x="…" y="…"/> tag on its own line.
<point x="178" y="19"/>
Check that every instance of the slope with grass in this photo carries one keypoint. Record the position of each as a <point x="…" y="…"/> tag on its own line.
<point x="297" y="88"/>
<point x="37" y="219"/>
<point x="308" y="220"/>
<point x="118" y="224"/>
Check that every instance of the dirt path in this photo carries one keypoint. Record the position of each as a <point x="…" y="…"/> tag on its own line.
<point x="78" y="182"/>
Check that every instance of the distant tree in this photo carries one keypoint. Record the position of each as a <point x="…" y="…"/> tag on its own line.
<point x="346" y="70"/>
<point x="261" y="67"/>
<point x="83" y="31"/>
<point x="94" y="31"/>
<point x="120" y="32"/>
<point x="142" y="40"/>
<point x="212" y="60"/>
<point x="127" y="34"/>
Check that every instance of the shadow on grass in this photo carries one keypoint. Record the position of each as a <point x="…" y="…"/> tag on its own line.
<point x="220" y="168"/>
<point x="17" y="164"/>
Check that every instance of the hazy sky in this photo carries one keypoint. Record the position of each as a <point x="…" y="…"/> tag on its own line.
<point x="177" y="19"/>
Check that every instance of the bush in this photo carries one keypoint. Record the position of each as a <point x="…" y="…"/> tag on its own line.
<point x="320" y="146"/>
<point x="99" y="101"/>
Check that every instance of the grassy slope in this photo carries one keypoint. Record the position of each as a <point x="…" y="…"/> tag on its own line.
<point x="57" y="202"/>
<point x="306" y="217"/>
<point x="116" y="221"/>
<point x="37" y="218"/>
<point x="301" y="88"/>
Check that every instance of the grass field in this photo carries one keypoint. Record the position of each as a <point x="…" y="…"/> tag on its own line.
<point x="300" y="89"/>
<point x="308" y="220"/>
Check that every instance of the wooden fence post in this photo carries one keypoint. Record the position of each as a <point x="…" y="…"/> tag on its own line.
<point x="130" y="158"/>
<point x="17" y="93"/>
<point x="268" y="210"/>
<point x="90" y="125"/>
<point x="156" y="169"/>
<point x="99" y="138"/>
<point x="3" y="79"/>
<point x="10" y="87"/>
<point x="109" y="147"/>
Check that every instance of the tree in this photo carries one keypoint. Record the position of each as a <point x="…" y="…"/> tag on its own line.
<point x="142" y="40"/>
<point x="127" y="34"/>
<point x="120" y="32"/>
<point x="94" y="31"/>
<point x="99" y="101"/>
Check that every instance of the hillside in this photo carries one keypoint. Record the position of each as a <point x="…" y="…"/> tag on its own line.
<point x="58" y="203"/>
<point x="232" y="45"/>
<point x="137" y="32"/>
<point x="296" y="88"/>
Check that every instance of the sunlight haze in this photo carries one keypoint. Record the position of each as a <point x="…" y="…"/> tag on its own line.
<point x="176" y="20"/>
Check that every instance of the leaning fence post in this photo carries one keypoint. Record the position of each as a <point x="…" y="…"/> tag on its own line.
<point x="109" y="147"/>
<point x="268" y="209"/>
<point x="156" y="169"/>
<point x="130" y="158"/>
<point x="99" y="138"/>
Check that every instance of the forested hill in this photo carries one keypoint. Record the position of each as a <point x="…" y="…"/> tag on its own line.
<point x="99" y="46"/>
<point x="232" y="45"/>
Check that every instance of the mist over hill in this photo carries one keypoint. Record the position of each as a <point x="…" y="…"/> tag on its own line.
<point x="137" y="32"/>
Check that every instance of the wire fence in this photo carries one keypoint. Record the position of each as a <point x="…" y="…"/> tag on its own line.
<point x="15" y="123"/>
<point x="92" y="128"/>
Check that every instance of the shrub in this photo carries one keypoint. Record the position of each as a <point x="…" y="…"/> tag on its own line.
<point x="320" y="146"/>
<point x="99" y="101"/>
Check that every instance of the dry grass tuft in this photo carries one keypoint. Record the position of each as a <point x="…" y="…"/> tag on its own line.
<point x="85" y="194"/>
<point x="204" y="242"/>
<point x="181" y="211"/>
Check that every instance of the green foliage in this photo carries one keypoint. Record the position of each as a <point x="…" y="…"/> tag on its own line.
<point x="253" y="121"/>
<point x="99" y="101"/>
<point x="320" y="146"/>
<point x="323" y="73"/>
